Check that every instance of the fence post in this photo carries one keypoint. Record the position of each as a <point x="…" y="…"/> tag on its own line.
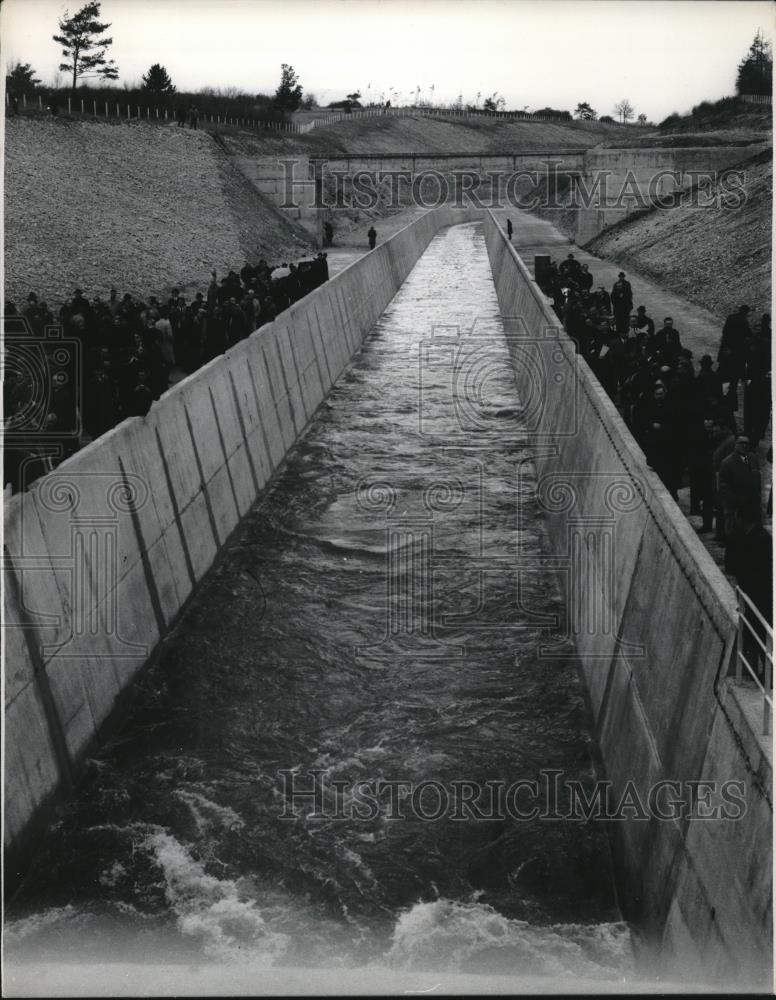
<point x="118" y="111"/>
<point x="106" y="109"/>
<point x="148" y="113"/>
<point x="69" y="108"/>
<point x="94" y="102"/>
<point x="157" y="114"/>
<point x="82" y="105"/>
<point x="40" y="101"/>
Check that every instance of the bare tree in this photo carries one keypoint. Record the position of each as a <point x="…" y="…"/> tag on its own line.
<point x="624" y="109"/>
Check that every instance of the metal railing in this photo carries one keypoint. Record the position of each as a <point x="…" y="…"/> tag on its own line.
<point x="755" y="641"/>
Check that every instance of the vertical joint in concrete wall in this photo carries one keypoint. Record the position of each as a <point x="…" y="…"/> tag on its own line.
<point x="153" y="590"/>
<point x="54" y="725"/>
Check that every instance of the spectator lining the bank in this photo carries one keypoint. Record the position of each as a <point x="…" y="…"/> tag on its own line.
<point x="129" y="348"/>
<point x="684" y="422"/>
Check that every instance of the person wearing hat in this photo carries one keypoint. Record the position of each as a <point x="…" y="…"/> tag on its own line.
<point x="644" y="322"/>
<point x="622" y="302"/>
<point x="731" y="358"/>
<point x="668" y="343"/>
<point x="709" y="385"/>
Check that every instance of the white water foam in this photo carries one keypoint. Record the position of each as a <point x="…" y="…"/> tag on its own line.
<point x="212" y="910"/>
<point x="448" y="935"/>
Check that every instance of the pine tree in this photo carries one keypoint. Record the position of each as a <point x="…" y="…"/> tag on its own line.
<point x="288" y="96"/>
<point x="157" y="81"/>
<point x="82" y="46"/>
<point x="755" y="71"/>
<point x="21" y="79"/>
<point x="585" y="112"/>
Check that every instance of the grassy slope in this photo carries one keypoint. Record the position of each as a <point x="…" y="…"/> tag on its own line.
<point x="386" y="134"/>
<point x="140" y="206"/>
<point x="715" y="256"/>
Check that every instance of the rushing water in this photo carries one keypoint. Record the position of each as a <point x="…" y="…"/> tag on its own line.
<point x="365" y="625"/>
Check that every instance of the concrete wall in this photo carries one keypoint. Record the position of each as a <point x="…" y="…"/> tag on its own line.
<point x="653" y="620"/>
<point x="102" y="554"/>
<point x="271" y="174"/>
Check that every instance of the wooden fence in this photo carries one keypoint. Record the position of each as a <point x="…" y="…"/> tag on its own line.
<point x="132" y="112"/>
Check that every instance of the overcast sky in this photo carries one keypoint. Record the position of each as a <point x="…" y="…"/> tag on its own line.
<point x="663" y="56"/>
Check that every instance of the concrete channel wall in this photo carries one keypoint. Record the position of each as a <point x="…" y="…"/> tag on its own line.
<point x="653" y="622"/>
<point x="102" y="554"/>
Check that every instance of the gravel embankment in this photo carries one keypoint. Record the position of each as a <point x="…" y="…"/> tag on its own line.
<point x="142" y="207"/>
<point x="718" y="257"/>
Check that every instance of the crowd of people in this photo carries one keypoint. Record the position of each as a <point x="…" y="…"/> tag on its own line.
<point x="690" y="422"/>
<point x="128" y="348"/>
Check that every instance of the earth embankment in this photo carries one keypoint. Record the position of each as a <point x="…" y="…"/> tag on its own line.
<point x="713" y="248"/>
<point x="136" y="206"/>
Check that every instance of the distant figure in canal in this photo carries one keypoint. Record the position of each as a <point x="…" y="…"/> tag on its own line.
<point x="372" y="234"/>
<point x="328" y="233"/>
<point x="509" y="230"/>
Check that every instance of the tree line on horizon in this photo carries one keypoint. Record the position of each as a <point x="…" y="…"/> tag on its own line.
<point x="84" y="45"/>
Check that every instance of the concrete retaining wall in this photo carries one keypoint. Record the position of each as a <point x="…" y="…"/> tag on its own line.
<point x="102" y="554"/>
<point x="653" y="620"/>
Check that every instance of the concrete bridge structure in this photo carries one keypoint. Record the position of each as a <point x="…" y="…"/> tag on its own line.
<point x="103" y="555"/>
<point x="604" y="183"/>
